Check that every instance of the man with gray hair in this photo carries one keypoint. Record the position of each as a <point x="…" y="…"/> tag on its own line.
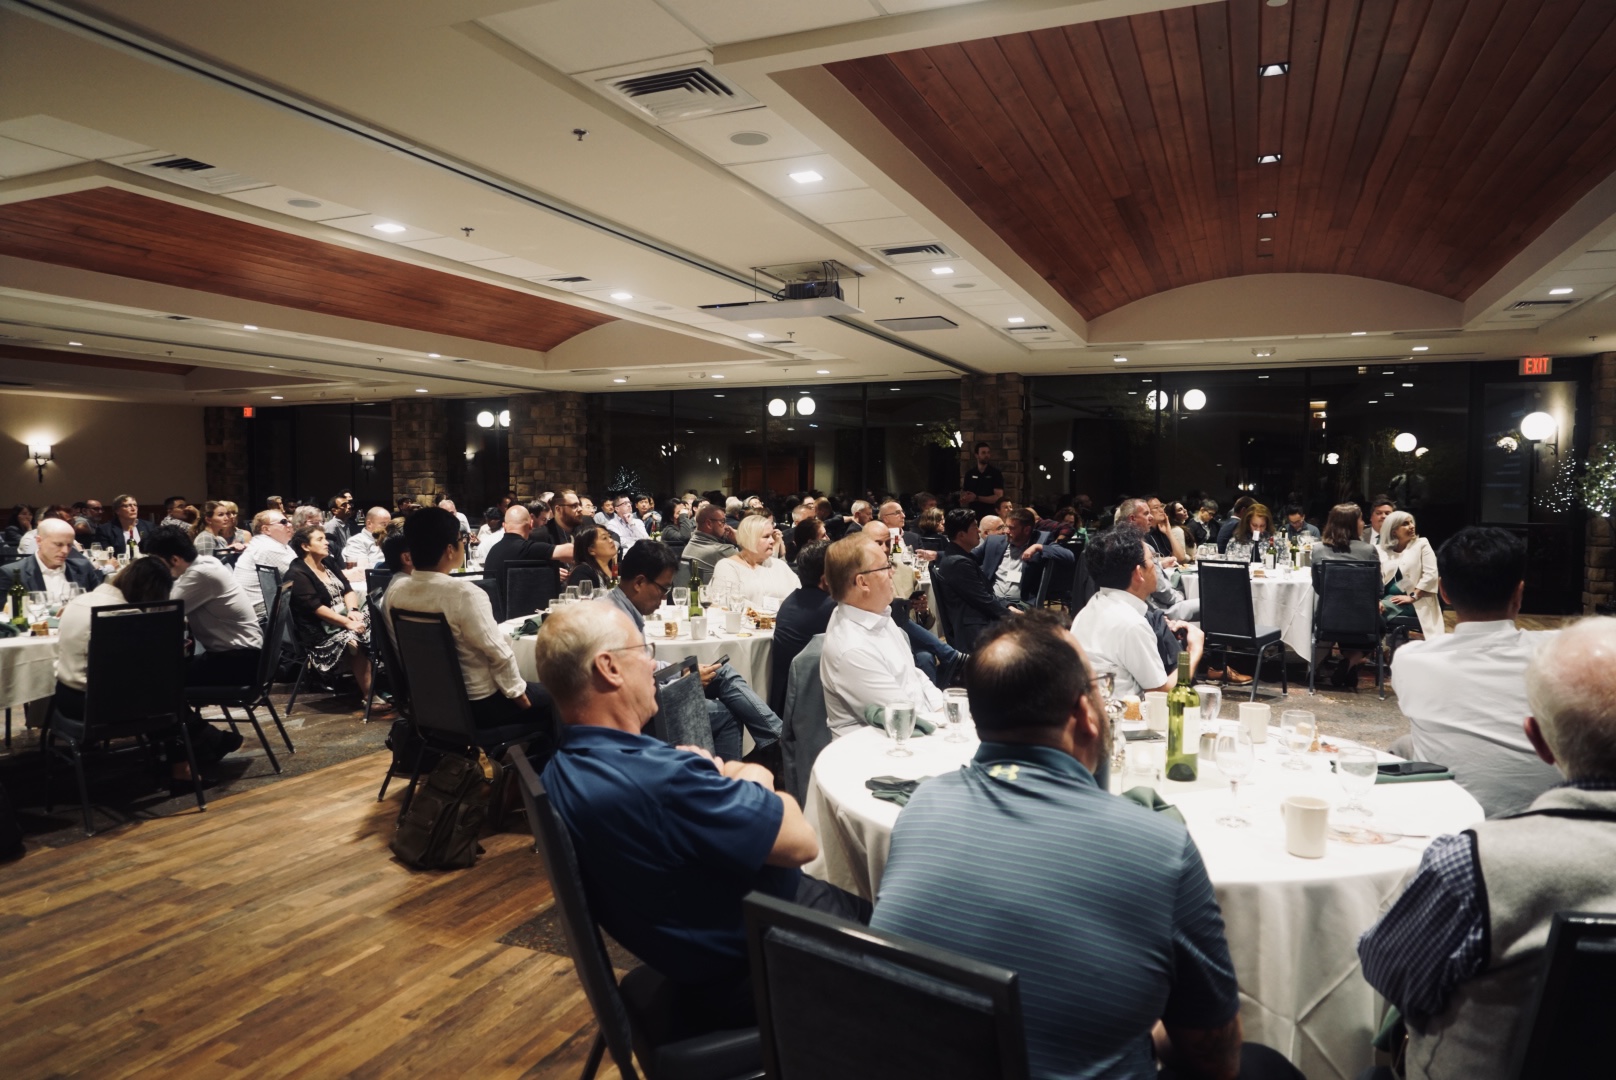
<point x="1460" y="951"/>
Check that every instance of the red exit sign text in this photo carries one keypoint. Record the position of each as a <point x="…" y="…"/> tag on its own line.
<point x="1537" y="365"/>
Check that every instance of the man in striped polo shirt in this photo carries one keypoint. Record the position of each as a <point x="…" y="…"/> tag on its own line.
<point x="1103" y="907"/>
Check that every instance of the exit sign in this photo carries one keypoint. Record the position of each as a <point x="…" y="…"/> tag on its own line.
<point x="1537" y="365"/>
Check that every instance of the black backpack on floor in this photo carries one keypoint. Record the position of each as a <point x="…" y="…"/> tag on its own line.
<point x="446" y="815"/>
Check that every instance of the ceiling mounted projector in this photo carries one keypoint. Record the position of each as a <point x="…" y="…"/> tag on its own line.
<point x="807" y="291"/>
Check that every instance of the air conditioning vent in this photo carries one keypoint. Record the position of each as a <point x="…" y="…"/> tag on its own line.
<point x="190" y="173"/>
<point x="183" y="163"/>
<point x="178" y="318"/>
<point x="1029" y="331"/>
<point x="1526" y="305"/>
<point x="680" y="93"/>
<point x="913" y="253"/>
<point x="920" y="322"/>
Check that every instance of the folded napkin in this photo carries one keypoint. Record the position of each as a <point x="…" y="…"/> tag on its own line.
<point x="873" y="717"/>
<point x="893" y="789"/>
<point x="1413" y="778"/>
<point x="528" y="628"/>
<point x="7" y="630"/>
<point x="1151" y="800"/>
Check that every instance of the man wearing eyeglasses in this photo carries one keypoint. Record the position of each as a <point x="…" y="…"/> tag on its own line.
<point x="866" y="659"/>
<point x="270" y="546"/>
<point x="625" y="525"/>
<point x="126" y="525"/>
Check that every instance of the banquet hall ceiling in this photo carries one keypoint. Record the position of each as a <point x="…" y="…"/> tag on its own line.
<point x="309" y="201"/>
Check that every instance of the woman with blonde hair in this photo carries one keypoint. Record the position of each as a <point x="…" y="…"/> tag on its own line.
<point x="1408" y="561"/>
<point x="215" y="532"/>
<point x="754" y="572"/>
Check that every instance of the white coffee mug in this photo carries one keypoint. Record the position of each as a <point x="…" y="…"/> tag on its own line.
<point x="698" y="628"/>
<point x="1305" y="821"/>
<point x="732" y="622"/>
<point x="1156" y="710"/>
<point x="1254" y="717"/>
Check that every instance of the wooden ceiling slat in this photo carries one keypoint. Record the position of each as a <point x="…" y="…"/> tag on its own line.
<point x="110" y="231"/>
<point x="1207" y="238"/>
<point x="1307" y="36"/>
<point x="1212" y="36"/>
<point x="1325" y="137"/>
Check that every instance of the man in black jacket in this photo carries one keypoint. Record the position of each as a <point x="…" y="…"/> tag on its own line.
<point x="959" y="582"/>
<point x="53" y="565"/>
<point x="126" y="522"/>
<point x="803" y="614"/>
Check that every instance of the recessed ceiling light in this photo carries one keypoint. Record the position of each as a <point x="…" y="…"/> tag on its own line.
<point x="620" y="379"/>
<point x="1016" y="319"/>
<point x="1264" y="215"/>
<point x="1119" y="359"/>
<point x="78" y="343"/>
<point x="1262" y="376"/>
<point x="942" y="270"/>
<point x="1359" y="333"/>
<point x="388" y="227"/>
<point x="1268" y="159"/>
<point x="755" y="337"/>
<point x="1374" y="401"/>
<point x="434" y="356"/>
<point x="719" y="376"/>
<point x="1408" y="384"/>
<point x="1560" y="292"/>
<point x="276" y="397"/>
<point x="1422" y="348"/>
<point x="894" y="389"/>
<point x="823" y="371"/>
<point x="248" y="326"/>
<point x="807" y="176"/>
<point x="1265" y="239"/>
<point x="420" y="390"/>
<point x="304" y="204"/>
<point x="1388" y="373"/>
<point x="622" y="296"/>
<point x="1268" y="71"/>
<point x="715" y="395"/>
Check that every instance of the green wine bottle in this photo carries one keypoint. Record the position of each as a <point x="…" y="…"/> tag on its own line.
<point x="695" y="599"/>
<point x="1183" y="723"/>
<point x="19" y="602"/>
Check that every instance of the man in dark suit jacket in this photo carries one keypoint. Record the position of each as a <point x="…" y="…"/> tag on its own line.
<point x="55" y="552"/>
<point x="803" y="614"/>
<point x="125" y="520"/>
<point x="1022" y="544"/>
<point x="960" y="585"/>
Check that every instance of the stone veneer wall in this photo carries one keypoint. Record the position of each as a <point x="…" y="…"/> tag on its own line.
<point x="993" y="409"/>
<point x="548" y="443"/>
<point x="1599" y="567"/>
<point x="224" y="437"/>
<point x="420" y="448"/>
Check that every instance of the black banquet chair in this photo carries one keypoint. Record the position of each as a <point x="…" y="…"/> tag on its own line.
<point x="252" y="698"/>
<point x="836" y="999"/>
<point x="1346" y="612"/>
<point x="628" y="1014"/>
<point x="1564" y="1027"/>
<point x="134" y="688"/>
<point x="1230" y="622"/>
<point x="529" y="586"/>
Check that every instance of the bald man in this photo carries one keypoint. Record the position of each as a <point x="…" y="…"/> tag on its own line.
<point x="364" y="548"/>
<point x="518" y="542"/>
<point x="54" y="565"/>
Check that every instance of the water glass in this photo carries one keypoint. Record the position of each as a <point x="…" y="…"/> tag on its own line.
<point x="1300" y="729"/>
<point x="681" y="597"/>
<point x="572" y="593"/>
<point x="957" y="707"/>
<point x="586" y="589"/>
<point x="1235" y="756"/>
<point x="1357" y="767"/>
<point x="900" y="721"/>
<point x="1211" y="702"/>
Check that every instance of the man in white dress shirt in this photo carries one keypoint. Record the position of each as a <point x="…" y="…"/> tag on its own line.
<point x="1465" y="693"/>
<point x="270" y="546"/>
<point x="364" y="548"/>
<point x="867" y="658"/>
<point x="624" y="525"/>
<point x="217" y="611"/>
<point x="1112" y="626"/>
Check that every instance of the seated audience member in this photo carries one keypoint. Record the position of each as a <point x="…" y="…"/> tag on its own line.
<point x="54" y="565"/>
<point x="28" y="542"/>
<point x="216" y="533"/>
<point x="1460" y="952"/>
<point x="937" y="659"/>
<point x="890" y="514"/>
<point x="491" y="531"/>
<point x="1379" y="507"/>
<point x="807" y="531"/>
<point x="713" y="541"/>
<point x="1237" y="514"/>
<point x="679" y="524"/>
<point x="596" y="558"/>
<point x="364" y="548"/>
<point x="734" y="510"/>
<point x="669" y="840"/>
<point x="126" y="525"/>
<point x="867" y="659"/>
<point x="217" y="611"/>
<point x="326" y="613"/>
<point x="1408" y="560"/>
<point x="335" y="521"/>
<point x="1021" y="860"/>
<point x="754" y="572"/>
<point x="1163" y="597"/>
<point x="626" y="526"/>
<point x="448" y="505"/>
<point x="173" y="509"/>
<point x="1004" y="559"/>
<point x="959" y="584"/>
<point x="645" y="510"/>
<point x="270" y="546"/>
<point x="1201" y="527"/>
<point x="521" y="541"/>
<point x="499" y="695"/>
<point x="647" y="578"/>
<point x="1296" y="525"/>
<point x="1340" y="541"/>
<point x="20" y="525"/>
<point x="990" y="525"/>
<point x="1113" y="627"/>
<point x="803" y="614"/>
<point x="1465" y="693"/>
<point x="395" y="557"/>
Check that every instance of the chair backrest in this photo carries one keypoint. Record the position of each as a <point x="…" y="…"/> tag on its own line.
<point x="1565" y="1025"/>
<point x="496" y="595"/>
<point x="945" y="606"/>
<point x="807" y="728"/>
<point x="1226" y="608"/>
<point x="897" y="1007"/>
<point x="552" y="841"/>
<point x="934" y="543"/>
<point x="529" y="586"/>
<point x="278" y="606"/>
<point x="682" y="574"/>
<point x="136" y="666"/>
<point x="381" y="639"/>
<point x="1347" y="603"/>
<point x="376" y="580"/>
<point x="1083" y="584"/>
<point x="681" y="716"/>
<point x="268" y="579"/>
<point x="426" y="649"/>
<point x="1056" y="581"/>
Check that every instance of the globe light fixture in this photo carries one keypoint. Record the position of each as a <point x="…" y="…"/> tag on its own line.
<point x="1194" y="400"/>
<point x="805" y="406"/>
<point x="1405" y="442"/>
<point x="1538" y="426"/>
<point x="1156" y="399"/>
<point x="777" y="407"/>
<point x="1332" y="459"/>
<point x="1067" y="455"/>
<point x="1422" y="451"/>
<point x="504" y="418"/>
<point x="485" y="419"/>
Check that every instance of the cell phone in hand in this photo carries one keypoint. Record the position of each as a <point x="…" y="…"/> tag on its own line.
<point x="722" y="660"/>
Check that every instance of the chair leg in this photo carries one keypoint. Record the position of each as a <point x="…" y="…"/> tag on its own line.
<point x="275" y="716"/>
<point x="387" y="778"/>
<point x="1256" y="674"/>
<point x="415" y="775"/>
<point x="252" y="718"/>
<point x="297" y="685"/>
<point x="370" y="698"/>
<point x="1380" y="672"/>
<point x="1284" y="675"/>
<point x="46" y="738"/>
<point x="596" y="1052"/>
<point x="1312" y="665"/>
<point x="196" y="773"/>
<point x="84" y="787"/>
<point x="8" y="727"/>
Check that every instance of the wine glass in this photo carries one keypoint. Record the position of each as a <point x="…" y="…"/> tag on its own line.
<point x="1357" y="767"/>
<point x="572" y="593"/>
<point x="681" y="597"/>
<point x="957" y="707"/>
<point x="38" y="605"/>
<point x="1300" y="729"/>
<point x="586" y="589"/>
<point x="1235" y="756"/>
<point x="1211" y="702"/>
<point x="900" y="721"/>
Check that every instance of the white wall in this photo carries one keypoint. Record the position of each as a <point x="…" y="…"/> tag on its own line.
<point x="100" y="449"/>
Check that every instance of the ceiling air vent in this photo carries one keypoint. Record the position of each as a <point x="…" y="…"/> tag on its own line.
<point x="574" y="280"/>
<point x="1526" y="305"/>
<point x="921" y="322"/>
<point x="679" y="93"/>
<point x="190" y="172"/>
<point x="913" y="253"/>
<point x="1029" y="331"/>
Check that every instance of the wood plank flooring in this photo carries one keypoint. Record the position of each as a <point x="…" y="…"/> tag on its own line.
<point x="276" y="936"/>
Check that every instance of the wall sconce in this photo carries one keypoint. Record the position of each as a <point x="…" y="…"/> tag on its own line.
<point x="41" y="453"/>
<point x="367" y="459"/>
<point x="470" y="454"/>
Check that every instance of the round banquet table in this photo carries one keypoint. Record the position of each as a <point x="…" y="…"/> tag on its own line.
<point x="749" y="652"/>
<point x="27" y="669"/>
<point x="1284" y="601"/>
<point x="1292" y="923"/>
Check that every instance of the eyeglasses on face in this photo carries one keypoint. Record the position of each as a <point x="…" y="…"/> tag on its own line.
<point x="887" y="569"/>
<point x="645" y="649"/>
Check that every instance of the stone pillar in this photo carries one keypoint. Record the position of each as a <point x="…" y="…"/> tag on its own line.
<point x="420" y="448"/>
<point x="548" y="442"/>
<point x="1599" y="566"/>
<point x="993" y="409"/>
<point x="224" y="435"/>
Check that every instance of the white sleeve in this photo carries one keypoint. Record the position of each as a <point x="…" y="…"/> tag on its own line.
<point x="725" y="576"/>
<point x="1136" y="651"/>
<point x="1427" y="577"/>
<point x="479" y="631"/>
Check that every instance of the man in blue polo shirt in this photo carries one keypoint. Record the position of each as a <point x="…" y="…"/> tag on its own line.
<point x="669" y="839"/>
<point x="1103" y="907"/>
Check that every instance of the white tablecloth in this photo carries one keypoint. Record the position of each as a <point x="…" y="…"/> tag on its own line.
<point x="27" y="670"/>
<point x="1285" y="602"/>
<point x="1292" y="923"/>
<point x="750" y="654"/>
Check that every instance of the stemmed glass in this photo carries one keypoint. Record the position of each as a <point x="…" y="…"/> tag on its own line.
<point x="1235" y="756"/>
<point x="1357" y="767"/>
<point x="681" y="597"/>
<point x="572" y="593"/>
<point x="900" y="721"/>
<point x="586" y="589"/>
<point x="1300" y="729"/>
<point x="38" y="608"/>
<point x="957" y="708"/>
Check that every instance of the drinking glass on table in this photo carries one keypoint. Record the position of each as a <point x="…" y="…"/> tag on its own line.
<point x="1300" y="729"/>
<point x="957" y="708"/>
<point x="1211" y="702"/>
<point x="681" y="597"/>
<point x="900" y="721"/>
<point x="1235" y="756"/>
<point x="586" y="589"/>
<point x="38" y="609"/>
<point x="572" y="593"/>
<point x="1357" y="767"/>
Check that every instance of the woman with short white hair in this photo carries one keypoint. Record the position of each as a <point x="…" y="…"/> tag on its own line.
<point x="1408" y="559"/>
<point x="754" y="572"/>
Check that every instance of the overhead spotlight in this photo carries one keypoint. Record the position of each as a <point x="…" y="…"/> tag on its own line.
<point x="807" y="176"/>
<point x="1268" y="159"/>
<point x="1359" y="333"/>
<point x="277" y="397"/>
<point x="1405" y="442"/>
<point x="620" y="379"/>
<point x="717" y="376"/>
<point x="388" y="227"/>
<point x="485" y="419"/>
<point x="434" y="356"/>
<point x="1067" y="455"/>
<point x="1015" y="320"/>
<point x="805" y="406"/>
<point x="622" y="296"/>
<point x="755" y="336"/>
<point x="80" y="344"/>
<point x="248" y="326"/>
<point x="1119" y="359"/>
<point x="1194" y="400"/>
<point x="823" y="371"/>
<point x="421" y="390"/>
<point x="1264" y="215"/>
<point x="940" y="271"/>
<point x="1268" y="71"/>
<point x="1422" y="348"/>
<point x="1561" y="292"/>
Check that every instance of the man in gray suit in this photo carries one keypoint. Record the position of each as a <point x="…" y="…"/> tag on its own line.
<point x="54" y="565"/>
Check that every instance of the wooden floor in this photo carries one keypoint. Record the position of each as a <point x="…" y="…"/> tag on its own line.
<point x="275" y="935"/>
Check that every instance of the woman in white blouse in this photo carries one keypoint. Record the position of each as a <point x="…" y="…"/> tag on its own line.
<point x="754" y="572"/>
<point x="1404" y="552"/>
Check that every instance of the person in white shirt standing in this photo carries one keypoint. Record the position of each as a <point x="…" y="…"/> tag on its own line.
<point x="270" y="546"/>
<point x="1465" y="693"/>
<point x="866" y="659"/>
<point x="217" y="611"/>
<point x="364" y="548"/>
<point x="1112" y="627"/>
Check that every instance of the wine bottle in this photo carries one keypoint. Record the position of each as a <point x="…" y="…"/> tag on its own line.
<point x="19" y="602"/>
<point x="695" y="600"/>
<point x="1183" y="725"/>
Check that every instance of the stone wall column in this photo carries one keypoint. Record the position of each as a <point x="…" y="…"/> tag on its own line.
<point x="1599" y="566"/>
<point x="994" y="410"/>
<point x="549" y="448"/>
<point x="225" y="440"/>
<point x="420" y="448"/>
